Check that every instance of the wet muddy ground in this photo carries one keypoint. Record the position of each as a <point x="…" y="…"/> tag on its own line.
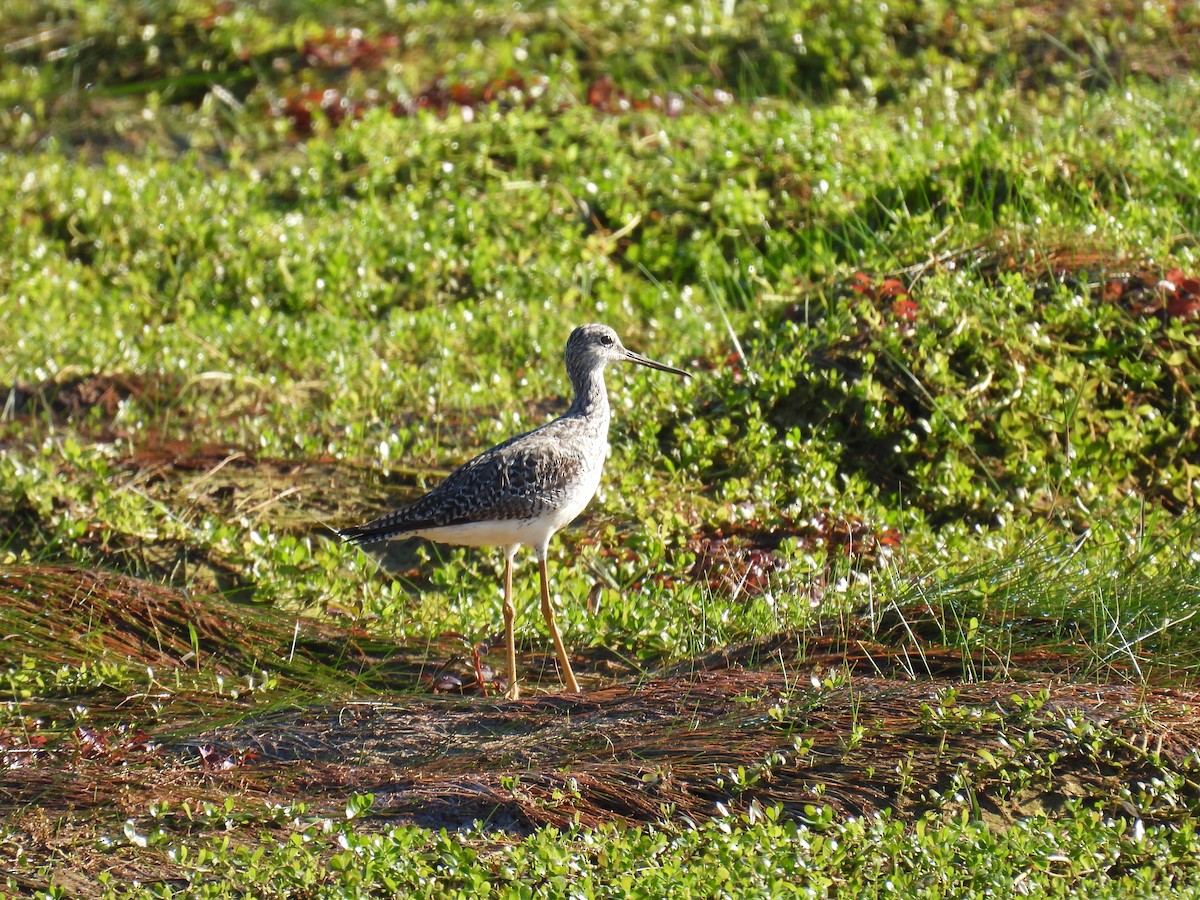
<point x="844" y="719"/>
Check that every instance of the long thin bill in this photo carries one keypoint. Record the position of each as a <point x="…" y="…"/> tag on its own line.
<point x="647" y="361"/>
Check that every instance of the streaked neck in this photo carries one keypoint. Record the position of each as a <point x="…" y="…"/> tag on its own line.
<point x="591" y="397"/>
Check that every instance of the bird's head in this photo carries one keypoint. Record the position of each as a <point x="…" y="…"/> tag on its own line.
<point x="594" y="346"/>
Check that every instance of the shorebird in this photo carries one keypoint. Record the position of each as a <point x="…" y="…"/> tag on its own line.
<point x="522" y="491"/>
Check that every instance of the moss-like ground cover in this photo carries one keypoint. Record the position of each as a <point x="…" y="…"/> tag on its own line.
<point x="895" y="595"/>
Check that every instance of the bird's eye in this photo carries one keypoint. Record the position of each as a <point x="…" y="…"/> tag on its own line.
<point x="606" y="340"/>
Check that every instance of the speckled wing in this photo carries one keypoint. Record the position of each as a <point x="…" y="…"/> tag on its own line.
<point x="520" y="479"/>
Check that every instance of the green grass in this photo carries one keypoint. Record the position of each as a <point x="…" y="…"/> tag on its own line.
<point x="236" y="320"/>
<point x="734" y="856"/>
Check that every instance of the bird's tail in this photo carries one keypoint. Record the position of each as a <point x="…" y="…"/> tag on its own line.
<point x="398" y="523"/>
<point x="365" y="534"/>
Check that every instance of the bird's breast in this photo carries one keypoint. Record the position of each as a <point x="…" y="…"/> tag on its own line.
<point x="580" y="491"/>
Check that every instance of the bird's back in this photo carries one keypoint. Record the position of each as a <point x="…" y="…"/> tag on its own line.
<point x="548" y="474"/>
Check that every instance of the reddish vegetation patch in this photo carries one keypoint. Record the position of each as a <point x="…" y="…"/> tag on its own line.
<point x="739" y="559"/>
<point x="509" y="92"/>
<point x="889" y="294"/>
<point x="439" y="96"/>
<point x="606" y="96"/>
<point x="156" y="450"/>
<point x="75" y="397"/>
<point x="349" y="49"/>
<point x="1174" y="295"/>
<point x="340" y="51"/>
<point x="1144" y="292"/>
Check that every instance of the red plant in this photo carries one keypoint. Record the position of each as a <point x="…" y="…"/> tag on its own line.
<point x="903" y="307"/>
<point x="1175" y="295"/>
<point x="1181" y="295"/>
<point x="337" y="49"/>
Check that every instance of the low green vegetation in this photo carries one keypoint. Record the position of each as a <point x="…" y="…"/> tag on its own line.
<point x="767" y="858"/>
<point x="271" y="268"/>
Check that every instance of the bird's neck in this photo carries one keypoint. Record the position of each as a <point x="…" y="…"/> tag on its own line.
<point x="591" y="398"/>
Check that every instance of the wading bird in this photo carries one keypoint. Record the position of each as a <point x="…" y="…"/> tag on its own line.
<point x="522" y="491"/>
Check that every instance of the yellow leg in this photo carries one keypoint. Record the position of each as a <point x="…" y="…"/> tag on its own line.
<point x="559" y="648"/>
<point x="514" y="690"/>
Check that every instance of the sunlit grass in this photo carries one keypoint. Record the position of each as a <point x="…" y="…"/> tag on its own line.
<point x="762" y="857"/>
<point x="227" y="332"/>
